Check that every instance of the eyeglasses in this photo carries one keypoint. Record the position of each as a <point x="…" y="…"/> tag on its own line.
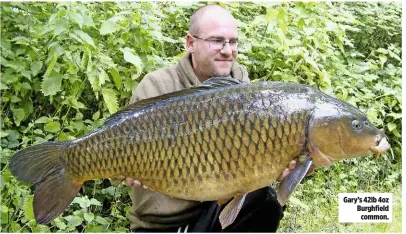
<point x="219" y="43"/>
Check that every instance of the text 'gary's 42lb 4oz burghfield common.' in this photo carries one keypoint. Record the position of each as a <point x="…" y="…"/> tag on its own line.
<point x="365" y="207"/>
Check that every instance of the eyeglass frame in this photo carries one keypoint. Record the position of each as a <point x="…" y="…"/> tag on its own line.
<point x="224" y="43"/>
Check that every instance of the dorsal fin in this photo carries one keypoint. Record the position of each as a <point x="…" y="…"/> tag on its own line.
<point x="212" y="83"/>
<point x="218" y="82"/>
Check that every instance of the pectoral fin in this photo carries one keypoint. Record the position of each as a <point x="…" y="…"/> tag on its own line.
<point x="230" y="212"/>
<point x="292" y="180"/>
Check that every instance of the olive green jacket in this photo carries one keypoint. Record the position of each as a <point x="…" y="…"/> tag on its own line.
<point x="148" y="205"/>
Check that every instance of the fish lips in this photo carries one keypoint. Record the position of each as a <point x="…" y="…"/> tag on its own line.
<point x="381" y="146"/>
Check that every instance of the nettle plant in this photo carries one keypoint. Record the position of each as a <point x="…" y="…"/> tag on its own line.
<point x="65" y="67"/>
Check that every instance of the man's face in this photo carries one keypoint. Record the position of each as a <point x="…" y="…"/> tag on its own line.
<point x="209" y="62"/>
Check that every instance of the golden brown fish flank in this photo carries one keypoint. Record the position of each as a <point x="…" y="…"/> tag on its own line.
<point x="201" y="154"/>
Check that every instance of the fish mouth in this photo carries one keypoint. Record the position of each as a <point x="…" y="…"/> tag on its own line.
<point x="381" y="146"/>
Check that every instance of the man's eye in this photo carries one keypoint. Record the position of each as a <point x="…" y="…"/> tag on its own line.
<point x="217" y="40"/>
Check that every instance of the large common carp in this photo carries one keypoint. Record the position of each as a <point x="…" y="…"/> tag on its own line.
<point x="216" y="141"/>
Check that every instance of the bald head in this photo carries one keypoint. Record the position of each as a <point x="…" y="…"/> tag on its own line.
<point x="207" y="13"/>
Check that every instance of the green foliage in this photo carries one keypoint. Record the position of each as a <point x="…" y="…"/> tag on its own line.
<point x="67" y="66"/>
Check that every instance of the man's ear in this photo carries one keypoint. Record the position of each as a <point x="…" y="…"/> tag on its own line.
<point x="189" y="43"/>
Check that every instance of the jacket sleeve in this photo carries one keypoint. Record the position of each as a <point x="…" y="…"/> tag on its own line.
<point x="147" y="88"/>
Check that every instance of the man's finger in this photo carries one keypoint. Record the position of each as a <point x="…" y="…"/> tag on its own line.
<point x="129" y="182"/>
<point x="283" y="175"/>
<point x="292" y="165"/>
<point x="136" y="183"/>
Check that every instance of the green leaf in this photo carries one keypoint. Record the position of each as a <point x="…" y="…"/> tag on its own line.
<point x="130" y="57"/>
<point x="89" y="217"/>
<point x="76" y="104"/>
<point x="28" y="207"/>
<point x="52" y="84"/>
<point x="51" y="65"/>
<point x="26" y="74"/>
<point x="96" y="115"/>
<point x="95" y="202"/>
<point x="14" y="99"/>
<point x="3" y="87"/>
<point x="282" y="20"/>
<point x="382" y="58"/>
<point x="43" y="119"/>
<point x="103" y="76"/>
<point x="93" y="79"/>
<point x="121" y="229"/>
<point x="82" y="201"/>
<point x="109" y="27"/>
<point x="3" y="134"/>
<point x="101" y="220"/>
<point x="2" y="182"/>
<point x="395" y="56"/>
<point x="5" y="99"/>
<point x="85" y="37"/>
<point x="110" y="99"/>
<point x="59" y="27"/>
<point x="297" y="202"/>
<point x="130" y="84"/>
<point x="65" y="137"/>
<point x="395" y="115"/>
<point x="271" y="14"/>
<point x="73" y="220"/>
<point x="59" y="223"/>
<point x="14" y="226"/>
<point x="53" y="126"/>
<point x="87" y="21"/>
<point x="391" y="126"/>
<point x="372" y="115"/>
<point x="12" y="64"/>
<point x="116" y="78"/>
<point x="18" y="115"/>
<point x="95" y="228"/>
<point x="382" y="50"/>
<point x="36" y="67"/>
<point x="24" y="86"/>
<point x="38" y="227"/>
<point x="76" y="17"/>
<point x="27" y="106"/>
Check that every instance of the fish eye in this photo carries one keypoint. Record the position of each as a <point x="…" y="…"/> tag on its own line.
<point x="366" y="123"/>
<point x="356" y="125"/>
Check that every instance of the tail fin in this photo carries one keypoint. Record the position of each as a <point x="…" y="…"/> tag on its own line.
<point x="40" y="164"/>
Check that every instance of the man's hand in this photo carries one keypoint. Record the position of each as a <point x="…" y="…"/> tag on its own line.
<point x="133" y="182"/>
<point x="128" y="181"/>
<point x="291" y="167"/>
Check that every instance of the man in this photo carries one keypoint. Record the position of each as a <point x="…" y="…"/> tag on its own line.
<point x="212" y="44"/>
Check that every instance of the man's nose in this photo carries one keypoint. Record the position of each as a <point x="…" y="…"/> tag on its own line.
<point x="226" y="49"/>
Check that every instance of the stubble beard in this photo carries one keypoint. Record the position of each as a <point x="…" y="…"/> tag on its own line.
<point x="215" y="72"/>
<point x="209" y="69"/>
